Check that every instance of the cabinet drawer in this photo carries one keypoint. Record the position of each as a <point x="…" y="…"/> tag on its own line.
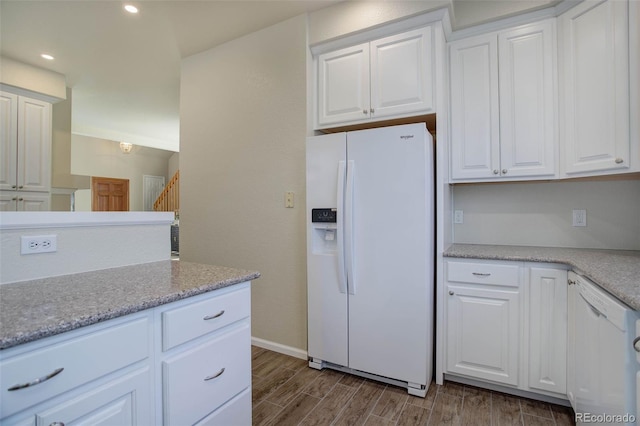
<point x="199" y="380"/>
<point x="483" y="273"/>
<point x="182" y="324"/>
<point x="78" y="359"/>
<point x="236" y="412"/>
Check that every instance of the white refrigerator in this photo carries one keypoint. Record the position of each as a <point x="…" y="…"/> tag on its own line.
<point x="370" y="254"/>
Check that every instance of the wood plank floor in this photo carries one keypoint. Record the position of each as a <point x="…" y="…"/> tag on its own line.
<point x="287" y="392"/>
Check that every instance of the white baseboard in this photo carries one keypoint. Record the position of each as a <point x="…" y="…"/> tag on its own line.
<point x="277" y="347"/>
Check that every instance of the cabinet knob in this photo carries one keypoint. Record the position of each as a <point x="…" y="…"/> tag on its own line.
<point x="372" y="110"/>
<point x="504" y="171"/>
<point x="21" y="186"/>
<point x="57" y="424"/>
<point x="496" y="171"/>
<point x="619" y="160"/>
<point x="20" y="199"/>
<point x="364" y="111"/>
<point x="451" y="293"/>
<point x="14" y="199"/>
<point x="13" y="187"/>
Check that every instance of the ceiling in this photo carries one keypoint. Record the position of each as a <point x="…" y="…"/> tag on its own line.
<point x="124" y="69"/>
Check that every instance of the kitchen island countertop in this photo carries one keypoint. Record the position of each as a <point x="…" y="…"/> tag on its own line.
<point x="616" y="271"/>
<point x="31" y="310"/>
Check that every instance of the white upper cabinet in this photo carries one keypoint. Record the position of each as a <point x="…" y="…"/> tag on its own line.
<point x="503" y="105"/>
<point x="343" y="85"/>
<point x="594" y="77"/>
<point x="387" y="78"/>
<point x="25" y="144"/>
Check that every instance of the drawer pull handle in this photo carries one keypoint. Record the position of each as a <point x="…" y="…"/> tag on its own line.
<point x="480" y="274"/>
<point x="36" y="381"/>
<point x="210" y="317"/>
<point x="635" y="344"/>
<point x="57" y="424"/>
<point x="215" y="376"/>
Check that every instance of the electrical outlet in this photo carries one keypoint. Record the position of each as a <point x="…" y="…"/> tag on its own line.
<point x="458" y="216"/>
<point x="38" y="244"/>
<point x="579" y="218"/>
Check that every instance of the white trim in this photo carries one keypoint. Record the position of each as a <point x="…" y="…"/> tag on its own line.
<point x="31" y="220"/>
<point x="29" y="93"/>
<point x="513" y="21"/>
<point x="277" y="347"/>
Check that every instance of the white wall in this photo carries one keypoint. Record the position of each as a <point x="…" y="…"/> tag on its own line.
<point x="242" y="146"/>
<point x="85" y="242"/>
<point x="103" y="158"/>
<point x="540" y="214"/>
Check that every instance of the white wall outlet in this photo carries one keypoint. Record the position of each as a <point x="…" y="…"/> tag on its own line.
<point x="38" y="244"/>
<point x="579" y="218"/>
<point x="458" y="216"/>
<point x="288" y="199"/>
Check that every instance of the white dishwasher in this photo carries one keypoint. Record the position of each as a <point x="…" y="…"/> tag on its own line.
<point x="602" y="366"/>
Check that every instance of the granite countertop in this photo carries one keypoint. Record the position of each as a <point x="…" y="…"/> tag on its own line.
<point x="31" y="310"/>
<point x="617" y="271"/>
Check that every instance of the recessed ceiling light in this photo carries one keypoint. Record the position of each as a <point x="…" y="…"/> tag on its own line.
<point x="47" y="56"/>
<point x="131" y="8"/>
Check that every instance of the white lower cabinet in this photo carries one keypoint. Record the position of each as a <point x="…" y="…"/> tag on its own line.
<point x="117" y="372"/>
<point x="200" y="376"/>
<point x="483" y="320"/>
<point x="547" y="330"/>
<point x="507" y="324"/>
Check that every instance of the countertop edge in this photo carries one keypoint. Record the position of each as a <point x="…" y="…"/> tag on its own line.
<point x="559" y="255"/>
<point x="44" y="332"/>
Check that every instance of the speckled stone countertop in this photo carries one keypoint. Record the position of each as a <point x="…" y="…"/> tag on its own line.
<point x="617" y="271"/>
<point x="31" y="310"/>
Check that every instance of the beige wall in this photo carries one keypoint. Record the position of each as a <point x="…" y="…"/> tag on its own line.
<point x="103" y="158"/>
<point x="540" y="214"/>
<point x="242" y="146"/>
<point x="50" y="85"/>
<point x="347" y="17"/>
<point x="473" y="12"/>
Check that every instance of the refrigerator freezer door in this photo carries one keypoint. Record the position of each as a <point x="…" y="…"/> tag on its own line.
<point x="327" y="298"/>
<point x="391" y="313"/>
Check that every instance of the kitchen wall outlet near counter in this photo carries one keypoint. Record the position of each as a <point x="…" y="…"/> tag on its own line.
<point x="288" y="199"/>
<point x="38" y="244"/>
<point x="458" y="216"/>
<point x="579" y="218"/>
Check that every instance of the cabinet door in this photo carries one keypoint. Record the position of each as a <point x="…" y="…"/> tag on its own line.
<point x="34" y="145"/>
<point x="527" y="100"/>
<point x="475" y="125"/>
<point x="8" y="140"/>
<point x="402" y="74"/>
<point x="547" y="326"/>
<point x="594" y="64"/>
<point x="124" y="401"/>
<point x="8" y="201"/>
<point x="343" y="85"/>
<point x="33" y="202"/>
<point x="482" y="333"/>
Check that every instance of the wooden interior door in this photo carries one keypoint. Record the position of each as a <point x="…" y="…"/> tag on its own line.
<point x="109" y="194"/>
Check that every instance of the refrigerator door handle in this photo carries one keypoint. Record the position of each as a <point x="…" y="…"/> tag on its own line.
<point x="342" y="274"/>
<point x="348" y="226"/>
